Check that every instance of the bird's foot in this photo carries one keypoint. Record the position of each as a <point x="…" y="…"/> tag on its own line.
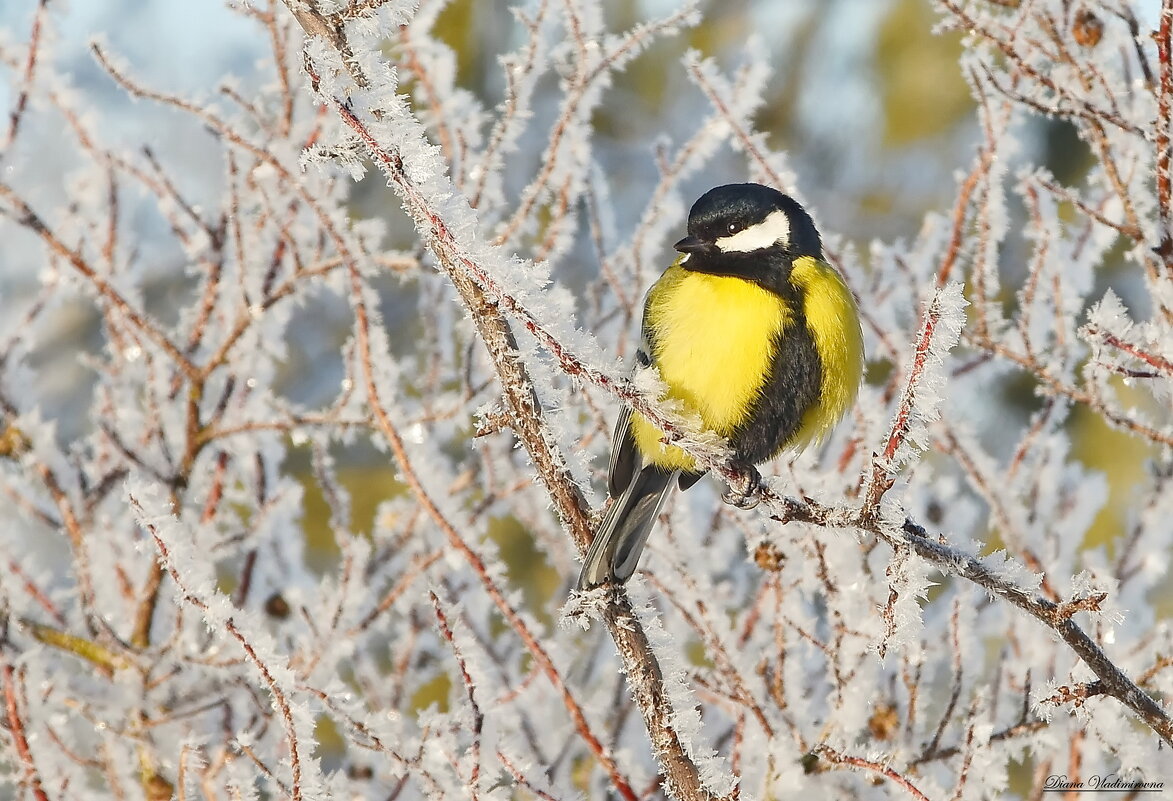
<point x="744" y="493"/>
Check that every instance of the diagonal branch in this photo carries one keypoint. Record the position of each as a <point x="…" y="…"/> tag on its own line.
<point x="681" y="775"/>
<point x="415" y="483"/>
<point x="1163" y="133"/>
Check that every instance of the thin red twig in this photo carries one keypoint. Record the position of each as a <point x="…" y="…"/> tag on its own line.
<point x="32" y="778"/>
<point x="868" y="766"/>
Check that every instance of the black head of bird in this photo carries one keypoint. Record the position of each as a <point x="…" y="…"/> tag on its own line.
<point x="748" y="231"/>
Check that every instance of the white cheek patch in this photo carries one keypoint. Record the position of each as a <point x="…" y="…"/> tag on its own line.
<point x="775" y="228"/>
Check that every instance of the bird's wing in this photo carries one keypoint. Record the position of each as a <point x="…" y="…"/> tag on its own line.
<point x="623" y="455"/>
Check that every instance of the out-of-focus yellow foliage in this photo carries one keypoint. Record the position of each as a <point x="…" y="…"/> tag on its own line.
<point x="457" y="26"/>
<point x="435" y="691"/>
<point x="528" y="567"/>
<point x="368" y="486"/>
<point x="329" y="741"/>
<point x="923" y="91"/>
<point x="1121" y="457"/>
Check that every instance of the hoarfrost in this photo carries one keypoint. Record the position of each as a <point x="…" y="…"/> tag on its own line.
<point x="231" y="570"/>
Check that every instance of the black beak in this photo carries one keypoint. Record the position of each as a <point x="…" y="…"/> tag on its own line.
<point x="691" y="244"/>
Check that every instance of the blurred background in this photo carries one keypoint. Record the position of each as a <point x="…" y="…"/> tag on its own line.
<point x="867" y="100"/>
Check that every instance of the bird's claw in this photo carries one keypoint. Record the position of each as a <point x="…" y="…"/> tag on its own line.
<point x="744" y="493"/>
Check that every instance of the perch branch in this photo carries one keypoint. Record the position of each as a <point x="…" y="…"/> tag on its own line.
<point x="681" y="776"/>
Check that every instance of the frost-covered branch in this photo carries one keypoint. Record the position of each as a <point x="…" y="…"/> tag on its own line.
<point x="681" y="775"/>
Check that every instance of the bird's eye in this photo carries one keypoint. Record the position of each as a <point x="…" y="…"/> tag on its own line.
<point x="733" y="227"/>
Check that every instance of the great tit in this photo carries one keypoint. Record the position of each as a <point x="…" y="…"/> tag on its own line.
<point x="750" y="330"/>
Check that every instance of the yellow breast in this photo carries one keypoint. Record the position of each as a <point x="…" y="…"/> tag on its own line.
<point x="713" y="345"/>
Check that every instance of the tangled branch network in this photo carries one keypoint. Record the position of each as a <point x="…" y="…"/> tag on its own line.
<point x="213" y="589"/>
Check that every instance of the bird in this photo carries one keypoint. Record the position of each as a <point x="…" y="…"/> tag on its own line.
<point x="751" y="330"/>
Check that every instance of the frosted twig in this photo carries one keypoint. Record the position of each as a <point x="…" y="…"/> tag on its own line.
<point x="955" y="691"/>
<point x="520" y="778"/>
<point x="279" y="697"/>
<point x="1074" y="199"/>
<point x="478" y="718"/>
<point x="700" y="622"/>
<point x="1163" y="365"/>
<point x="36" y="592"/>
<point x="840" y="759"/>
<point x="26" y="82"/>
<point x="518" y="91"/>
<point x="578" y="103"/>
<point x="76" y="533"/>
<point x="909" y="412"/>
<point x="954" y="562"/>
<point x="419" y="567"/>
<point x="1066" y="101"/>
<point x="1057" y="386"/>
<point x="15" y="725"/>
<point x="24" y="215"/>
<point x="744" y="138"/>
<point x="1076" y="695"/>
<point x="431" y="96"/>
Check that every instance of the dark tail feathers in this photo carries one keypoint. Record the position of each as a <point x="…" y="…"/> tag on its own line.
<point x="623" y="532"/>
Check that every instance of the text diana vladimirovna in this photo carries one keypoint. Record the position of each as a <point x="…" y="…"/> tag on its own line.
<point x="1110" y="783"/>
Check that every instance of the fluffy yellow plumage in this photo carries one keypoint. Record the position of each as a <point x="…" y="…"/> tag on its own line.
<point x="719" y="375"/>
